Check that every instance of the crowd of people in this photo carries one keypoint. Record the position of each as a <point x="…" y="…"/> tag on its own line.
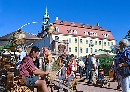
<point x="28" y="67"/>
<point x="120" y="67"/>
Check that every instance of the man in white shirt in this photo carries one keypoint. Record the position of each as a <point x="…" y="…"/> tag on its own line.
<point x="81" y="67"/>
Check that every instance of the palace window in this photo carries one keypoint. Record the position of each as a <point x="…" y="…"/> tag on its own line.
<point x="104" y="43"/>
<point x="111" y="43"/>
<point x="69" y="40"/>
<point x="69" y="49"/>
<point x="81" y="50"/>
<point x="75" y="40"/>
<point x="100" y="43"/>
<point x="91" y="41"/>
<point x="95" y="42"/>
<point x="108" y="43"/>
<point x="56" y="38"/>
<point x="86" y="50"/>
<point x="91" y="50"/>
<point x="80" y="40"/>
<point x="86" y="41"/>
<point x="75" y="49"/>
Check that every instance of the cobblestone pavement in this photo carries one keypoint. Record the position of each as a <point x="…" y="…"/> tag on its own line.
<point x="82" y="86"/>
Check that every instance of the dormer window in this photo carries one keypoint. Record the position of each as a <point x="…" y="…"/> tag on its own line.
<point x="70" y="31"/>
<point x="91" y="33"/>
<point x="75" y="31"/>
<point x="86" y="33"/>
<point x="61" y="22"/>
<point x="57" y="29"/>
<point x="96" y="34"/>
<point x="105" y="35"/>
<point x="83" y="25"/>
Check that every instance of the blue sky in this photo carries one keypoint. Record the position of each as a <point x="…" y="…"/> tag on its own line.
<point x="113" y="15"/>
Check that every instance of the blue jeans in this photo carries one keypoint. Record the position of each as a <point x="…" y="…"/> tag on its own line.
<point x="92" y="75"/>
<point x="69" y="80"/>
<point x="81" y="71"/>
<point x="87" y="73"/>
<point x="125" y="83"/>
<point x="62" y="78"/>
<point x="30" y="80"/>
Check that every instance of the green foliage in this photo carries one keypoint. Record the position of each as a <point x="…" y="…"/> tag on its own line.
<point x="7" y="46"/>
<point x="106" y="64"/>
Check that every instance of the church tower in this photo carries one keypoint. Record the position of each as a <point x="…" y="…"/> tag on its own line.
<point x="46" y="20"/>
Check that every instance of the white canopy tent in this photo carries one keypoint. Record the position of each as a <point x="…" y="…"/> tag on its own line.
<point x="103" y="54"/>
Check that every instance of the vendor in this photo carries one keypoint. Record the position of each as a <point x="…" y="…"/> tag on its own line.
<point x="29" y="71"/>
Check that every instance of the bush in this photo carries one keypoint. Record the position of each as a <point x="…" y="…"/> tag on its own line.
<point x="106" y="64"/>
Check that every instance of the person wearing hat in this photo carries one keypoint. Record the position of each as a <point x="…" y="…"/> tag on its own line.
<point x="124" y="64"/>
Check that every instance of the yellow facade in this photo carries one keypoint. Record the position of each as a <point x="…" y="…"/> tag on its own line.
<point x="82" y="46"/>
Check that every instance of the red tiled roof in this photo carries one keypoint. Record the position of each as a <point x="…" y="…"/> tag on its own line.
<point x="87" y="26"/>
<point x="76" y="24"/>
<point x="102" y="29"/>
<point x="65" y="27"/>
<point x="57" y="22"/>
<point x="67" y="23"/>
<point x="95" y="27"/>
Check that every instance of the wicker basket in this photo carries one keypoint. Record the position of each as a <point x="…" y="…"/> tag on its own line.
<point x="7" y="66"/>
<point x="5" y="58"/>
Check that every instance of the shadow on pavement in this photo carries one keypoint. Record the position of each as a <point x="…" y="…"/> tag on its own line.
<point x="95" y="85"/>
<point x="81" y="80"/>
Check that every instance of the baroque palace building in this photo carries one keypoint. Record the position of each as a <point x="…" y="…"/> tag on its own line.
<point x="75" y="38"/>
